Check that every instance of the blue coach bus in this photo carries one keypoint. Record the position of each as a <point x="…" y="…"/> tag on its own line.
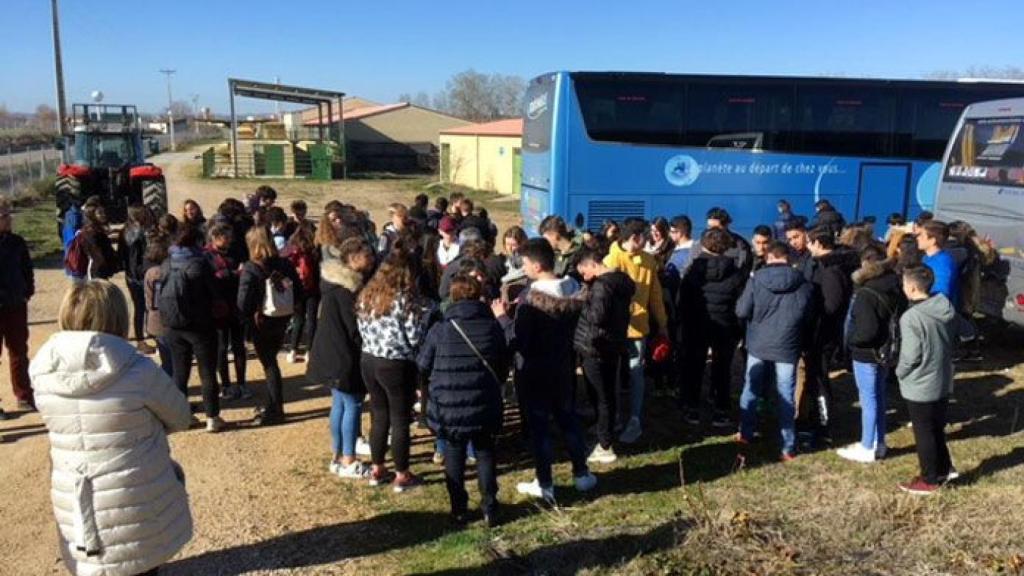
<point x="600" y="145"/>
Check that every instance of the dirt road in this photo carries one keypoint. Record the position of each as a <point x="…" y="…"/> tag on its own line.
<point x="247" y="485"/>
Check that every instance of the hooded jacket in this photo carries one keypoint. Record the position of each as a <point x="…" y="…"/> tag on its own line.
<point x="337" y="345"/>
<point x="206" y="306"/>
<point x="708" y="295"/>
<point x="542" y="333"/>
<point x="877" y="296"/>
<point x="925" y="367"/>
<point x="604" y="319"/>
<point x="648" y="303"/>
<point x="775" y="305"/>
<point x="464" y="398"/>
<point x="118" y="498"/>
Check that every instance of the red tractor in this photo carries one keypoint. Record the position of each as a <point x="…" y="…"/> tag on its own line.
<point x="104" y="157"/>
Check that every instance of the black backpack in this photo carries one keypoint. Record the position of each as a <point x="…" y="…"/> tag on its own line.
<point x="181" y="306"/>
<point x="888" y="355"/>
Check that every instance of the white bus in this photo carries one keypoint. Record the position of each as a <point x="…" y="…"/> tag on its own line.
<point x="983" y="185"/>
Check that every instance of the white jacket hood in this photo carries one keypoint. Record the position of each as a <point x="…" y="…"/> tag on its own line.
<point x="78" y="364"/>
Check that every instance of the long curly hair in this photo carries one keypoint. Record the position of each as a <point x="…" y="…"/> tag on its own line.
<point x="394" y="280"/>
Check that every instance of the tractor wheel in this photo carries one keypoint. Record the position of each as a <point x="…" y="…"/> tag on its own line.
<point x="68" y="191"/>
<point x="154" y="196"/>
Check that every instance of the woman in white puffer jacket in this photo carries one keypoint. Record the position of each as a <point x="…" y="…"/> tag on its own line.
<point x="118" y="498"/>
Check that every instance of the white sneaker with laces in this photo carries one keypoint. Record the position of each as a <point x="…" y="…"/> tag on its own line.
<point x="354" y="471"/>
<point x="333" y="467"/>
<point x="857" y="453"/>
<point x="293" y="357"/>
<point x="215" y="424"/>
<point x="536" y="490"/>
<point x="632" y="431"/>
<point x="602" y="455"/>
<point x="585" y="483"/>
<point x="362" y="447"/>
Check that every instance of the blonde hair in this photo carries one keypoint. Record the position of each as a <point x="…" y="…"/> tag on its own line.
<point x="94" y="306"/>
<point x="261" y="247"/>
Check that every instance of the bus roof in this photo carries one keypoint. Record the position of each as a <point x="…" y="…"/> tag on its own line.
<point x="825" y="79"/>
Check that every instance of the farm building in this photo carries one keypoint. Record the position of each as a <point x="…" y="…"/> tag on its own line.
<point x="484" y="156"/>
<point x="390" y="137"/>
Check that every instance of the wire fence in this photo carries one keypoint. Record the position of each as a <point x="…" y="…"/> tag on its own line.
<point x="19" y="171"/>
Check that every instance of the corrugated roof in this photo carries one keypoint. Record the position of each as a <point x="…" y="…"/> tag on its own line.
<point x="510" y="127"/>
<point x="364" y="112"/>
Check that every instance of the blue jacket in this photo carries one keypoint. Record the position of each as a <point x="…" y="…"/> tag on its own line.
<point x="775" y="304"/>
<point x="947" y="276"/>
<point x="464" y="397"/>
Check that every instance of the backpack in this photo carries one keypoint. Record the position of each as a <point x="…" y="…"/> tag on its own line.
<point x="174" y="301"/>
<point x="278" y="298"/>
<point x="889" y="353"/>
<point x="76" y="261"/>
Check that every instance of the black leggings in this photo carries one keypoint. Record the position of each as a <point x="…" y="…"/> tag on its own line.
<point x="392" y="386"/>
<point x="138" y="294"/>
<point x="267" y="340"/>
<point x="231" y="337"/>
<point x="304" y="323"/>
<point x="602" y="377"/>
<point x="185" y="344"/>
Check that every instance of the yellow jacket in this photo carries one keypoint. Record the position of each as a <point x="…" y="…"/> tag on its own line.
<point x="647" y="299"/>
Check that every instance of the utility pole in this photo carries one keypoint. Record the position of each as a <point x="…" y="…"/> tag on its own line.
<point x="277" y="105"/>
<point x="195" y="113"/>
<point x="170" y="108"/>
<point x="58" y="64"/>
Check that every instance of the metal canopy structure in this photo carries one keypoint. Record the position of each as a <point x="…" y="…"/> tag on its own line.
<point x="294" y="95"/>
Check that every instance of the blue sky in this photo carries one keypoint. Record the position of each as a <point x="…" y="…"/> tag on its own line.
<point x="381" y="49"/>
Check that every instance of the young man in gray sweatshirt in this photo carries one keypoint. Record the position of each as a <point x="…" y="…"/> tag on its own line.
<point x="925" y="372"/>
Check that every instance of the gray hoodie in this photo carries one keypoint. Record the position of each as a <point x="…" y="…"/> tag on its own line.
<point x="925" y="368"/>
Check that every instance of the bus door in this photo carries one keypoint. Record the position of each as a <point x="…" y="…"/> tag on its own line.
<point x="884" y="188"/>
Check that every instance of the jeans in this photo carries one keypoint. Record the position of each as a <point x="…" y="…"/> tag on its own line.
<point x="758" y="374"/>
<point x="540" y="410"/>
<point x="871" y="381"/>
<point x="14" y="335"/>
<point x="346" y="411"/>
<point x="723" y="348"/>
<point x="304" y="322"/>
<point x="138" y="295"/>
<point x="231" y="336"/>
<point x="185" y="344"/>
<point x="486" y="473"/>
<point x="602" y="376"/>
<point x="267" y="339"/>
<point x="634" y="371"/>
<point x="163" y="348"/>
<point x="441" y="447"/>
<point x="392" y="386"/>
<point x="929" y="419"/>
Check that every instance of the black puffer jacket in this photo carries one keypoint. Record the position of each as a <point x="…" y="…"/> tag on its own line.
<point x="132" y="249"/>
<point x="829" y="219"/>
<point x="604" y="319"/>
<point x="465" y="397"/>
<point x="542" y="337"/>
<point x="832" y="291"/>
<point x="337" y="345"/>
<point x="775" y="304"/>
<point x="877" y="296"/>
<point x="708" y="295"/>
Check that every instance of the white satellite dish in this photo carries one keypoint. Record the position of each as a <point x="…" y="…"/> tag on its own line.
<point x="97" y="96"/>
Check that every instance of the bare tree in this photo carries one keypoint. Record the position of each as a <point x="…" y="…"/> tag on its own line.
<point x="479" y="97"/>
<point x="46" y="117"/>
<point x="988" y="72"/>
<point x="181" y="109"/>
<point x="5" y="117"/>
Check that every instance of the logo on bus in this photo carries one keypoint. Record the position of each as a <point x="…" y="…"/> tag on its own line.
<point x="537" y="106"/>
<point x="681" y="170"/>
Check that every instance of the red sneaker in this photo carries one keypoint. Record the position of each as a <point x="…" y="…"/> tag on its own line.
<point x="406" y="482"/>
<point x="919" y="487"/>
<point x="786" y="457"/>
<point x="378" y="477"/>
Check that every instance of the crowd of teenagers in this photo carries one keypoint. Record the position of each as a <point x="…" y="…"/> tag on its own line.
<point x="427" y="317"/>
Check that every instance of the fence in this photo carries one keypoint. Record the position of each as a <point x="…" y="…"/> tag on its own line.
<point x="274" y="161"/>
<point x="20" y="170"/>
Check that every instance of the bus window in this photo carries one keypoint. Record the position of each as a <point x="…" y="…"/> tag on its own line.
<point x="638" y="112"/>
<point x="926" y="121"/>
<point x="844" y="120"/>
<point x="988" y="151"/>
<point x="739" y="115"/>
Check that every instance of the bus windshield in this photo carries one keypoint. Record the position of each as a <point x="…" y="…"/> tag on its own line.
<point x="988" y="151"/>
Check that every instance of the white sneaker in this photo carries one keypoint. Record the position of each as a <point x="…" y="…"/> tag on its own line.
<point x="354" y="471"/>
<point x="857" y="453"/>
<point x="362" y="447"/>
<point x="215" y="424"/>
<point x="585" y="483"/>
<point x="536" y="490"/>
<point x="632" y="431"/>
<point x="602" y="456"/>
<point x="333" y="467"/>
<point x="293" y="358"/>
<point x="416" y="406"/>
